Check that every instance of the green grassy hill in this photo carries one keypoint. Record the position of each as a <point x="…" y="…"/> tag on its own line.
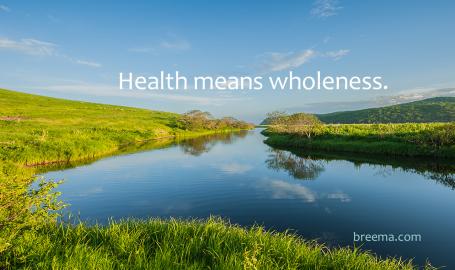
<point x="438" y="109"/>
<point x="36" y="129"/>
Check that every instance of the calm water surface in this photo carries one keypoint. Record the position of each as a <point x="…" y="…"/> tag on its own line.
<point x="238" y="177"/>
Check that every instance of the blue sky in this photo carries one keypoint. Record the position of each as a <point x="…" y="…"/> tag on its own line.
<point x="76" y="50"/>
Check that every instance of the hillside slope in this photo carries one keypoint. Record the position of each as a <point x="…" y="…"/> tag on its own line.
<point x="39" y="130"/>
<point x="438" y="109"/>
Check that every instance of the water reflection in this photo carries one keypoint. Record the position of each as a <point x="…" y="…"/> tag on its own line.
<point x="238" y="177"/>
<point x="126" y="149"/>
<point x="308" y="165"/>
<point x="203" y="144"/>
<point x="191" y="146"/>
<point x="304" y="168"/>
<point x="285" y="190"/>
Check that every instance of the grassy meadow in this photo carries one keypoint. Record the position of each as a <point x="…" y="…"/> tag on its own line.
<point x="36" y="130"/>
<point x="406" y="139"/>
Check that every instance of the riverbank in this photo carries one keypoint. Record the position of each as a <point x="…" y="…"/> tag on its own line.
<point x="410" y="139"/>
<point x="39" y="130"/>
<point x="176" y="244"/>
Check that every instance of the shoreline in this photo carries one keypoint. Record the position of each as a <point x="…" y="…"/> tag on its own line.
<point x="368" y="144"/>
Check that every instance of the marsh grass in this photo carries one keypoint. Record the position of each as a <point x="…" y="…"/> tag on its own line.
<point x="179" y="244"/>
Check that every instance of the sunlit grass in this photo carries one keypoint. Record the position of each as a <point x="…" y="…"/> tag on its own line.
<point x="39" y="130"/>
<point x="409" y="139"/>
<point x="177" y="244"/>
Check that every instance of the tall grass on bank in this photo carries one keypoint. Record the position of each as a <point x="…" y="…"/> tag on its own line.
<point x="409" y="139"/>
<point x="177" y="244"/>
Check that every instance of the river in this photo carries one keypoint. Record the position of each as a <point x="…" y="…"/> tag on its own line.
<point x="322" y="196"/>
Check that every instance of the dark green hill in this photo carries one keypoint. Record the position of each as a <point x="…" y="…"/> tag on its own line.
<point x="438" y="109"/>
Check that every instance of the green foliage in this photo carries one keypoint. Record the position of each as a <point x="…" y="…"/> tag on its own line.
<point x="197" y="120"/>
<point x="37" y="130"/>
<point x="439" y="109"/>
<point x="176" y="244"/>
<point x="300" y="123"/>
<point x="22" y="208"/>
<point x="274" y="118"/>
<point x="411" y="139"/>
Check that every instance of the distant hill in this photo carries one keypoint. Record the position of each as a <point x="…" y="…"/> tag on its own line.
<point x="438" y="109"/>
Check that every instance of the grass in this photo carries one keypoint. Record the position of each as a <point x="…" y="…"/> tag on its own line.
<point x="36" y="130"/>
<point x="410" y="139"/>
<point x="181" y="244"/>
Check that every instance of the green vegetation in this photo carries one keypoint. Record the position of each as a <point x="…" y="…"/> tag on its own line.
<point x="439" y="109"/>
<point x="197" y="120"/>
<point x="37" y="130"/>
<point x="411" y="139"/>
<point x="175" y="244"/>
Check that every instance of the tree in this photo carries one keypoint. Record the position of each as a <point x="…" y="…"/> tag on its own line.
<point x="303" y="123"/>
<point x="297" y="123"/>
<point x="195" y="119"/>
<point x="276" y="117"/>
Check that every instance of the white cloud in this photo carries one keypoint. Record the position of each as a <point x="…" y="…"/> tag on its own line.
<point x="28" y="46"/>
<point x="281" y="61"/>
<point x="4" y="8"/>
<point x="88" y="63"/>
<point x="275" y="61"/>
<point x="325" y="8"/>
<point x="336" y="55"/>
<point x="36" y="47"/>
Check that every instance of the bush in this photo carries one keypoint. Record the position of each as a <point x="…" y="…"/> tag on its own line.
<point x="198" y="120"/>
<point x="22" y="208"/>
